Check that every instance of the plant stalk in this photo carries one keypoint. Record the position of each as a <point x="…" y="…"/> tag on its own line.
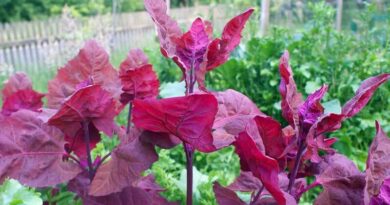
<point x="301" y="148"/>
<point x="190" y="82"/>
<point x="307" y="188"/>
<point x="257" y="195"/>
<point x="129" y="118"/>
<point x="101" y="162"/>
<point x="189" y="157"/>
<point x="88" y="148"/>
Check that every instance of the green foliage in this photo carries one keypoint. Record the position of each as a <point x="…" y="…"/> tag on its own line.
<point x="17" y="10"/>
<point x="319" y="55"/>
<point x="221" y="166"/>
<point x="13" y="193"/>
<point x="27" y="10"/>
<point x="59" y="196"/>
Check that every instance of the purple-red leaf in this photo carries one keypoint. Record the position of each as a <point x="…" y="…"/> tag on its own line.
<point x="343" y="183"/>
<point x="235" y="110"/>
<point x="195" y="49"/>
<point x="291" y="98"/>
<point x="22" y="99"/>
<point x="262" y="167"/>
<point x="18" y="81"/>
<point x="127" y="163"/>
<point x="192" y="45"/>
<point x="364" y="94"/>
<point x="18" y="94"/>
<point x="384" y="194"/>
<point x="346" y="191"/>
<point x="331" y="122"/>
<point x="137" y="194"/>
<point x="189" y="118"/>
<point x="90" y="67"/>
<point x="135" y="58"/>
<point x="32" y="152"/>
<point x="138" y="77"/>
<point x="226" y="196"/>
<point x="220" y="49"/>
<point x="246" y="182"/>
<point x="91" y="104"/>
<point x="77" y="144"/>
<point x="168" y="30"/>
<point x="160" y="139"/>
<point x="139" y="83"/>
<point x="378" y="163"/>
<point x="312" y="109"/>
<point x="271" y="133"/>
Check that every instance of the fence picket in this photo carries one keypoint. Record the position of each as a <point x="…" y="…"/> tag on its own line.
<point x="39" y="44"/>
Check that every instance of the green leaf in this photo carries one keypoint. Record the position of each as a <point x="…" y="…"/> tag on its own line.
<point x="13" y="193"/>
<point x="174" y="89"/>
<point x="198" y="179"/>
<point x="332" y="106"/>
<point x="311" y="86"/>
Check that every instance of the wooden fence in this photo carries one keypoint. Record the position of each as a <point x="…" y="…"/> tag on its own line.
<point x="32" y="46"/>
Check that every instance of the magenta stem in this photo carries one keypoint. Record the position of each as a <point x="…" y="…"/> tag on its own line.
<point x="129" y="118"/>
<point x="101" y="162"/>
<point x="190" y="83"/>
<point x="88" y="148"/>
<point x="307" y="188"/>
<point x="189" y="157"/>
<point x="257" y="196"/>
<point x="293" y="175"/>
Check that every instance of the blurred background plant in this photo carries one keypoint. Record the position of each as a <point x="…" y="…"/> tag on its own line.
<point x="320" y="54"/>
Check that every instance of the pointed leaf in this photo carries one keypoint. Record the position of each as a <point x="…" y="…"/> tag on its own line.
<point x="291" y="98"/>
<point x="32" y="152"/>
<point x="312" y="109"/>
<point x="185" y="117"/>
<point x="220" y="49"/>
<point x="331" y="122"/>
<point x="168" y="30"/>
<point x="264" y="168"/>
<point x="364" y="94"/>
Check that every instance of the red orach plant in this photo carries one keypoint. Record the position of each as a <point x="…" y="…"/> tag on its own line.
<point x="44" y="147"/>
<point x="274" y="160"/>
<point x="196" y="52"/>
